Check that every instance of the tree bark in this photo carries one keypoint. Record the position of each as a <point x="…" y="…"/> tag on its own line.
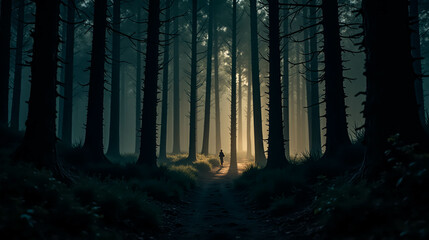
<point x="206" y="133"/>
<point x="240" y="109"/>
<point x="93" y="146"/>
<point x="138" y="84"/>
<point x="417" y="55"/>
<point x="193" y="96"/>
<point x="5" y="27"/>
<point x="216" y="85"/>
<point x="176" y="85"/>
<point x="391" y="106"/>
<point x="249" y="112"/>
<point x="285" y="81"/>
<point x="148" y="132"/>
<point x="113" y="149"/>
<point x="257" y="119"/>
<point x="315" y="143"/>
<point x="233" y="161"/>
<point x="39" y="143"/>
<point x="163" y="137"/>
<point x="336" y="123"/>
<point x="276" y="150"/>
<point x="17" y="80"/>
<point x="68" y="80"/>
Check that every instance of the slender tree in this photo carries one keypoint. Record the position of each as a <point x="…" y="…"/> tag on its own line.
<point x="176" y="84"/>
<point x="39" y="143"/>
<point x="5" y="27"/>
<point x="285" y="79"/>
<point x="216" y="83"/>
<point x="276" y="150"/>
<point x="249" y="113"/>
<point x="233" y="160"/>
<point x="93" y="146"/>
<point x="113" y="149"/>
<point x="240" y="108"/>
<point x="163" y="138"/>
<point x="257" y="119"/>
<point x="416" y="53"/>
<point x="206" y="133"/>
<point x="193" y="95"/>
<point x="148" y="131"/>
<point x="67" y="125"/>
<point x="391" y="106"/>
<point x="313" y="87"/>
<point x="336" y="122"/>
<point x="17" y="80"/>
<point x="138" y="83"/>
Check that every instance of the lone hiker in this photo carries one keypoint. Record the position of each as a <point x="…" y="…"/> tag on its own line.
<point x="221" y="156"/>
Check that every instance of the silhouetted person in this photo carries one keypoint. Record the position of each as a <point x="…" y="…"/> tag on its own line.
<point x="221" y="156"/>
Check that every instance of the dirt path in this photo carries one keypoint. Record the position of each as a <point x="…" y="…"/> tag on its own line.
<point x="215" y="211"/>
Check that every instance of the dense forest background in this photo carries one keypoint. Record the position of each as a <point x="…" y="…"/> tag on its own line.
<point x="113" y="113"/>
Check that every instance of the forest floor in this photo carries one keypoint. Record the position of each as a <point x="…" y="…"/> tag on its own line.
<point x="215" y="211"/>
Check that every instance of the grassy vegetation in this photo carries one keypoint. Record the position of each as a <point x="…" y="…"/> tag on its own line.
<point x="204" y="164"/>
<point x="112" y="201"/>
<point x="337" y="205"/>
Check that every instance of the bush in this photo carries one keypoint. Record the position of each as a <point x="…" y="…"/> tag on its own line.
<point x="214" y="162"/>
<point x="202" y="166"/>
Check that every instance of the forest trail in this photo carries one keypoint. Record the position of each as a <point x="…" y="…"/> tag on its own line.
<point x="215" y="211"/>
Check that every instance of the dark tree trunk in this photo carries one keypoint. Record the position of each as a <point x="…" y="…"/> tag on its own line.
<point x="63" y="14"/>
<point x="148" y="132"/>
<point x="138" y="84"/>
<point x="257" y="119"/>
<point x="336" y="122"/>
<point x="391" y="107"/>
<point x="315" y="143"/>
<point x="206" y="133"/>
<point x="240" y="109"/>
<point x="285" y="81"/>
<point x="193" y="96"/>
<point x="5" y="26"/>
<point x="67" y="125"/>
<point x="176" y="85"/>
<point x="233" y="161"/>
<point x="113" y="149"/>
<point x="93" y="146"/>
<point x="249" y="113"/>
<point x="416" y="53"/>
<point x="17" y="80"/>
<point x="39" y="143"/>
<point x="276" y="150"/>
<point x="163" y="137"/>
<point x="217" y="91"/>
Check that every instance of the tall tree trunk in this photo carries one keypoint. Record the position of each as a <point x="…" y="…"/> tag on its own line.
<point x="299" y="123"/>
<point x="17" y="80"/>
<point x="315" y="143"/>
<point x="391" y="106"/>
<point x="336" y="122"/>
<point x="257" y="119"/>
<point x="206" y="134"/>
<point x="148" y="132"/>
<point x="276" y="150"/>
<point x="138" y="83"/>
<point x="163" y="138"/>
<point x="39" y="143"/>
<point x="68" y="80"/>
<point x="416" y="53"/>
<point x="113" y="149"/>
<point x="217" y="91"/>
<point x="5" y="26"/>
<point x="63" y="14"/>
<point x="249" y="113"/>
<point x="285" y="81"/>
<point x="176" y="85"/>
<point x="240" y="109"/>
<point x="233" y="161"/>
<point x="193" y="96"/>
<point x="93" y="146"/>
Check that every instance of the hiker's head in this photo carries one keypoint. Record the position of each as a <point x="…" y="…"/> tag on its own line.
<point x="221" y="150"/>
